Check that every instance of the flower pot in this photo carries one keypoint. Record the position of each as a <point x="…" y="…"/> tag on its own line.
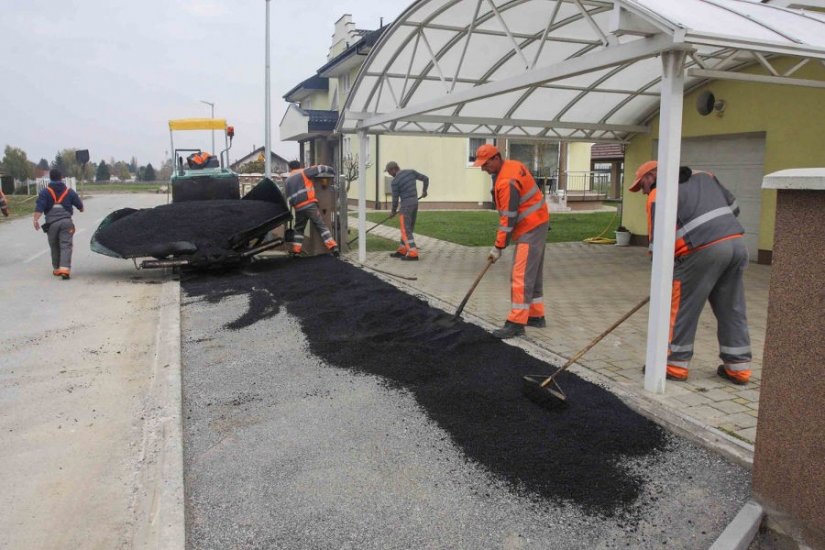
<point x="622" y="238"/>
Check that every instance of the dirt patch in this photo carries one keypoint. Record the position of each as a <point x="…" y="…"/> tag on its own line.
<point x="466" y="381"/>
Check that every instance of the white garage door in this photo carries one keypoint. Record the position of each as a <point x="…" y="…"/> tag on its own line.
<point x="738" y="162"/>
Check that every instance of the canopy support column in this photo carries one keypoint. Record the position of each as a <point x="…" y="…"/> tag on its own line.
<point x="664" y="237"/>
<point x="362" y="196"/>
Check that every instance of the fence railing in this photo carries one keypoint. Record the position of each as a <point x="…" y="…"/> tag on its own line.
<point x="586" y="185"/>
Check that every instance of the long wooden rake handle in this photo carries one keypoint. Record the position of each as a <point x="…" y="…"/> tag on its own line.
<point x="388" y="218"/>
<point x="595" y="341"/>
<point x="472" y="288"/>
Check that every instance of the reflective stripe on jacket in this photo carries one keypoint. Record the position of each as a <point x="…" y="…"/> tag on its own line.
<point x="519" y="201"/>
<point x="300" y="190"/>
<point x="706" y="214"/>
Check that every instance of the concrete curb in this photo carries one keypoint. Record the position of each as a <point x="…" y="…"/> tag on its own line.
<point x="159" y="508"/>
<point x="739" y="533"/>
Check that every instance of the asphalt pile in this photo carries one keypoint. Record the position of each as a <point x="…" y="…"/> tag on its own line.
<point x="466" y="381"/>
<point x="206" y="224"/>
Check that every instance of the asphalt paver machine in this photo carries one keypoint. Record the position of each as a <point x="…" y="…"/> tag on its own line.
<point x="198" y="174"/>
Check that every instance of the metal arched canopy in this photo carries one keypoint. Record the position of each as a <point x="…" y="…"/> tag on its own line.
<point x="572" y="70"/>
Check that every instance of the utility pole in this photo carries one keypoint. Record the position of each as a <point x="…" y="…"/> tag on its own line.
<point x="212" y="105"/>
<point x="267" y="107"/>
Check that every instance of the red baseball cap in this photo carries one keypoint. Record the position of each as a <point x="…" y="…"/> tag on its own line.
<point x="640" y="173"/>
<point x="485" y="153"/>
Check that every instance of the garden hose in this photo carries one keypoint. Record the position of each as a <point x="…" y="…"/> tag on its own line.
<point x="600" y="239"/>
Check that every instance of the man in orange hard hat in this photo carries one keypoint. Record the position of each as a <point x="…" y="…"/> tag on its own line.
<point x="523" y="220"/>
<point x="710" y="261"/>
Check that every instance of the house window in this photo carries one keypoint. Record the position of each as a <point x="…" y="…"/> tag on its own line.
<point x="472" y="146"/>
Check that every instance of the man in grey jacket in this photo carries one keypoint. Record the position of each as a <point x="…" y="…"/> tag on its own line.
<point x="57" y="202"/>
<point x="404" y="190"/>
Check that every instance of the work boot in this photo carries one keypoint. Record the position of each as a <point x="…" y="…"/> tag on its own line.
<point x="509" y="330"/>
<point x="396" y="255"/>
<point x="672" y="373"/>
<point x="733" y="376"/>
<point x="335" y="251"/>
<point x="537" y="322"/>
<point x="63" y="272"/>
<point x="409" y="258"/>
<point x="56" y="272"/>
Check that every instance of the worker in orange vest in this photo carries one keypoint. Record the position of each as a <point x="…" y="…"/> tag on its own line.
<point x="523" y="219"/>
<point x="300" y="192"/>
<point x="710" y="261"/>
<point x="57" y="202"/>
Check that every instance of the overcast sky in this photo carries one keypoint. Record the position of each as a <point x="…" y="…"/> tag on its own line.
<point x="107" y="76"/>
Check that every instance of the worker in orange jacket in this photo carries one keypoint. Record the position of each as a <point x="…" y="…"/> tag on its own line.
<point x="300" y="192"/>
<point x="709" y="265"/>
<point x="523" y="219"/>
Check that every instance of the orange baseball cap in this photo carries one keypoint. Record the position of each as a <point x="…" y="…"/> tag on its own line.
<point x="485" y="153"/>
<point x="640" y="173"/>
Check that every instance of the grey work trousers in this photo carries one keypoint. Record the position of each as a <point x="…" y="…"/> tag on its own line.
<point x="713" y="274"/>
<point x="61" y="234"/>
<point x="306" y="214"/>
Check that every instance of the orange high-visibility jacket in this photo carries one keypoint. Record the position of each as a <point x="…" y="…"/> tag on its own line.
<point x="519" y="201"/>
<point x="300" y="190"/>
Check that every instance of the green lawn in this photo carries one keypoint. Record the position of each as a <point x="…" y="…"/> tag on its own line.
<point x="477" y="228"/>
<point x="92" y="188"/>
<point x="374" y="242"/>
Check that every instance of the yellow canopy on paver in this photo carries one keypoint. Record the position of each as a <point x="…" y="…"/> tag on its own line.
<point x="198" y="124"/>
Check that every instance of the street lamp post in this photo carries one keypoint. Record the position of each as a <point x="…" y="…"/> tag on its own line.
<point x="267" y="115"/>
<point x="212" y="105"/>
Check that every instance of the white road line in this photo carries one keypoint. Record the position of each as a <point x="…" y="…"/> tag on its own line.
<point x="32" y="258"/>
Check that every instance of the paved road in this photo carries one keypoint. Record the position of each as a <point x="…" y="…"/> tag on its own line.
<point x="77" y="363"/>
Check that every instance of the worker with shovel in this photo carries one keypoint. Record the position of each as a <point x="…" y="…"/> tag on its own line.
<point x="523" y="219"/>
<point x="300" y="192"/>
<point x="709" y="265"/>
<point x="404" y="190"/>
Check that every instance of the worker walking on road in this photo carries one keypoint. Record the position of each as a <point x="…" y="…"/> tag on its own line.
<point x="523" y="219"/>
<point x="709" y="265"/>
<point x="404" y="190"/>
<point x="300" y="191"/>
<point x="57" y="202"/>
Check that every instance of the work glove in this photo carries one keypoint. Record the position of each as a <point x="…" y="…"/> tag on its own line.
<point x="495" y="254"/>
<point x="423" y="194"/>
<point x="36" y="225"/>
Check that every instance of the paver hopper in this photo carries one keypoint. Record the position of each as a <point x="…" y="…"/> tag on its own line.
<point x="199" y="234"/>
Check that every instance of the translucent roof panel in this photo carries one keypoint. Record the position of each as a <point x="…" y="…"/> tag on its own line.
<point x="560" y="69"/>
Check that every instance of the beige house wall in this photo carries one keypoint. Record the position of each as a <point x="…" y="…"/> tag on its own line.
<point x="791" y="117"/>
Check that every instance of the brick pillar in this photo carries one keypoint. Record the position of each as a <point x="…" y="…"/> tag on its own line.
<point x="789" y="455"/>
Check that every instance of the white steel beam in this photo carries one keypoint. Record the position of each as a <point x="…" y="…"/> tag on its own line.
<point x="726" y="75"/>
<point x="362" y="196"/>
<point x="535" y="123"/>
<point x="664" y="236"/>
<point x="607" y="57"/>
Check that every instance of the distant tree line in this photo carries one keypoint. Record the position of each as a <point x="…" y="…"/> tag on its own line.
<point x="15" y="163"/>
